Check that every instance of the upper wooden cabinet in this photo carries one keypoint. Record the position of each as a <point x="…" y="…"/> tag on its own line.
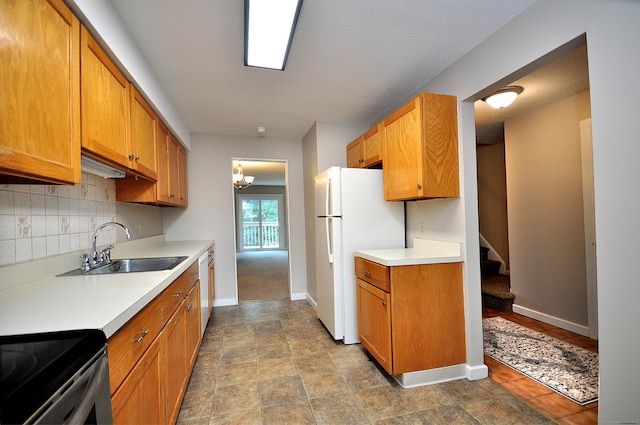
<point x="105" y="105"/>
<point x="366" y="150"/>
<point x="171" y="187"/>
<point x="144" y="127"/>
<point x="39" y="92"/>
<point x="420" y="149"/>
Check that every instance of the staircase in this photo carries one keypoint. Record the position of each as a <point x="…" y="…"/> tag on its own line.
<point x="496" y="287"/>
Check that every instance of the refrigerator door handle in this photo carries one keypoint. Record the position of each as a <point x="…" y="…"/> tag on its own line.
<point x="328" y="223"/>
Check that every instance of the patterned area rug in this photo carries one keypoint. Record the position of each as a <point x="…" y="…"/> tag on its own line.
<point x="565" y="368"/>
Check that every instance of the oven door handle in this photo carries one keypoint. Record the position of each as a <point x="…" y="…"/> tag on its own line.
<point x="90" y="394"/>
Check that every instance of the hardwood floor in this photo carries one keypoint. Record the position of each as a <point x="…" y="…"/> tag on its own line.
<point x="561" y="409"/>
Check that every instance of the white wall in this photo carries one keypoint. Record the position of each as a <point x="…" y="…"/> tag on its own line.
<point x="210" y="214"/>
<point x="612" y="32"/>
<point x="546" y="214"/>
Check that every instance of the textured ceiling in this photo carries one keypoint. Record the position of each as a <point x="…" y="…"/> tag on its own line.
<point x="350" y="61"/>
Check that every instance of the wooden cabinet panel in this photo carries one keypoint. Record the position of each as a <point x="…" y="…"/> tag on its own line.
<point x="427" y="304"/>
<point x="39" y="92"/>
<point x="374" y="273"/>
<point x="183" y="199"/>
<point x="374" y="326"/>
<point x="354" y="154"/>
<point x="144" y="127"/>
<point x="105" y="105"/>
<point x="420" y="149"/>
<point x="128" y="344"/>
<point x="192" y="324"/>
<point x="140" y="399"/>
<point x="175" y="363"/>
<point x="372" y="146"/>
<point x="164" y="169"/>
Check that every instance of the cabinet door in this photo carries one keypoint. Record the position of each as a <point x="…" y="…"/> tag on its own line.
<point x="193" y="323"/>
<point x="140" y="399"/>
<point x="144" y="125"/>
<point x="164" y="170"/>
<point x="183" y="199"/>
<point x="105" y="105"/>
<point x="420" y="149"/>
<point x="354" y="154"/>
<point x="427" y="304"/>
<point x="403" y="153"/>
<point x="39" y="92"/>
<point x="374" y="322"/>
<point x="175" y="362"/>
<point x="372" y="146"/>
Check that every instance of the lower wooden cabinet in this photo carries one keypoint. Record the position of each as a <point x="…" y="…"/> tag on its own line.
<point x="151" y="391"/>
<point x="411" y="318"/>
<point x="140" y="399"/>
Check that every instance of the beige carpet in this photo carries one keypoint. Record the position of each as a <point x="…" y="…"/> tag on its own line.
<point x="263" y="275"/>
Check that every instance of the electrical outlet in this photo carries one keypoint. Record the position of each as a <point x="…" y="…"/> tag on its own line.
<point x="422" y="227"/>
<point x="140" y="230"/>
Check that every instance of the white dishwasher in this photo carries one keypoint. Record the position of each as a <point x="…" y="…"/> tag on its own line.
<point x="203" y="264"/>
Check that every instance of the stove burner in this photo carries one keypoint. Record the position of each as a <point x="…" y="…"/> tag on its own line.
<point x="15" y="366"/>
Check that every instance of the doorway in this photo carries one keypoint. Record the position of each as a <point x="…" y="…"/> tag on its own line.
<point x="533" y="222"/>
<point x="261" y="228"/>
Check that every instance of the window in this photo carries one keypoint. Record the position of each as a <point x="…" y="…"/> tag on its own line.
<point x="260" y="223"/>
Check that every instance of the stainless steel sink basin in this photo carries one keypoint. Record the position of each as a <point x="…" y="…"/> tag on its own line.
<point x="132" y="265"/>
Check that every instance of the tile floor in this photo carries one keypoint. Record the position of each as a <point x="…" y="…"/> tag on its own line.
<point x="272" y="362"/>
<point x="563" y="410"/>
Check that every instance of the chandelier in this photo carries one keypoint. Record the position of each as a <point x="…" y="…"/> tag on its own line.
<point x="240" y="181"/>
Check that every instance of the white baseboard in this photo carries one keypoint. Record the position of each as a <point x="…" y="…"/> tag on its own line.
<point x="299" y="296"/>
<point x="429" y="377"/>
<point x="474" y="373"/>
<point x="225" y="302"/>
<point x="311" y="301"/>
<point x="552" y="320"/>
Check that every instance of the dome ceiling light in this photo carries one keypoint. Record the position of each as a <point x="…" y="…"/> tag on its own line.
<point x="503" y="97"/>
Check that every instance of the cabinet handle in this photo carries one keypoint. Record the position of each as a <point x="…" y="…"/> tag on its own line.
<point x="172" y="196"/>
<point x="189" y="307"/>
<point x="143" y="334"/>
<point x="384" y="303"/>
<point x="130" y="157"/>
<point x="367" y="273"/>
<point x="138" y="158"/>
<point x="419" y="186"/>
<point x="177" y="294"/>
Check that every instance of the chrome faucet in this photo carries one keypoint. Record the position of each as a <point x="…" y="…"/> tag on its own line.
<point x="97" y="259"/>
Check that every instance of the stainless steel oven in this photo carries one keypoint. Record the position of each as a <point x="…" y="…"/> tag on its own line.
<point x="55" y="378"/>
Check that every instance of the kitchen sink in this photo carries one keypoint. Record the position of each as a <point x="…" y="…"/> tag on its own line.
<point x="131" y="265"/>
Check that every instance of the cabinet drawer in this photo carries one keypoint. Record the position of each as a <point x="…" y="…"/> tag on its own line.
<point x="173" y="295"/>
<point x="374" y="273"/>
<point x="127" y="345"/>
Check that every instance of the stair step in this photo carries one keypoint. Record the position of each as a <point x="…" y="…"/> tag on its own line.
<point x="496" y="293"/>
<point x="490" y="267"/>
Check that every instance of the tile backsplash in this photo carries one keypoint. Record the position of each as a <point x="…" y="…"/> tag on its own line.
<point x="39" y="221"/>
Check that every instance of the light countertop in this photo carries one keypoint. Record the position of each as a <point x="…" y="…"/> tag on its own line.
<point x="106" y="302"/>
<point x="425" y="251"/>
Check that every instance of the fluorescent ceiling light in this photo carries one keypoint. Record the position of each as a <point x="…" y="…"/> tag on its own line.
<point x="268" y="31"/>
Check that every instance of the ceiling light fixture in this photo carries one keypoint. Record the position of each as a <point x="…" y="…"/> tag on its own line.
<point x="262" y="131"/>
<point x="503" y="97"/>
<point x="268" y="31"/>
<point x="240" y="181"/>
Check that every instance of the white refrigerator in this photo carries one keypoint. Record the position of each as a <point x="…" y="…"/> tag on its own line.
<point x="351" y="214"/>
